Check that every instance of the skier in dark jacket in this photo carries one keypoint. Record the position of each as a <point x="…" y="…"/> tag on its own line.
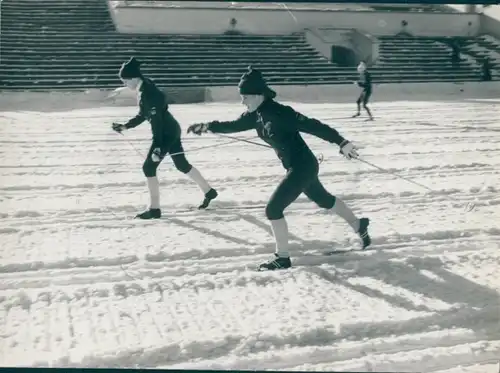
<point x="166" y="137"/>
<point x="365" y="83"/>
<point x="280" y="126"/>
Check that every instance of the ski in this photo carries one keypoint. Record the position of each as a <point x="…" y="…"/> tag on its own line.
<point x="343" y="251"/>
<point x="209" y="209"/>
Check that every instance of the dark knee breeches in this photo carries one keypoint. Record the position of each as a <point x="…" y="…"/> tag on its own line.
<point x="296" y="182"/>
<point x="363" y="98"/>
<point x="181" y="163"/>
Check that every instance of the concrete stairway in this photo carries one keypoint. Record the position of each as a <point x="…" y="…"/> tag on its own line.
<point x="72" y="44"/>
<point x="484" y="46"/>
<point x="422" y="59"/>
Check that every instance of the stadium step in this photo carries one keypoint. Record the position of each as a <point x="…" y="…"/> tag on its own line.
<point x="73" y="44"/>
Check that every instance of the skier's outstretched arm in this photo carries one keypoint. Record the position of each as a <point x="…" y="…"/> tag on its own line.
<point x="244" y="123"/>
<point x="323" y="131"/>
<point x="135" y="121"/>
<point x="314" y="127"/>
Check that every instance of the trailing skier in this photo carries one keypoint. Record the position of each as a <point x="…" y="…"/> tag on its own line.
<point x="166" y="137"/>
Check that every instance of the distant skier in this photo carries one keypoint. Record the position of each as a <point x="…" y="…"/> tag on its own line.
<point x="280" y="127"/>
<point x="365" y="82"/>
<point x="166" y="137"/>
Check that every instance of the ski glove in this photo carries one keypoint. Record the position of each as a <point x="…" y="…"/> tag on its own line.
<point x="119" y="127"/>
<point x="348" y="150"/>
<point x="156" y="155"/>
<point x="198" y="128"/>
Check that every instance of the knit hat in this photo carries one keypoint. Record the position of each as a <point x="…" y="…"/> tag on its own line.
<point x="252" y="83"/>
<point x="130" y="69"/>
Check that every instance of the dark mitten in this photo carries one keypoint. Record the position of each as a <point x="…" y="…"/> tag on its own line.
<point x="119" y="127"/>
<point x="198" y="128"/>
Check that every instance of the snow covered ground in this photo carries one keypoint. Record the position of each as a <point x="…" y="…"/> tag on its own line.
<point x="81" y="284"/>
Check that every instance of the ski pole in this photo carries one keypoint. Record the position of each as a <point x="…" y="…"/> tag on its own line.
<point x="469" y="207"/>
<point x="463" y="128"/>
<point x="132" y="145"/>
<point x="186" y="151"/>
<point x="319" y="157"/>
<point x="244" y="140"/>
<point x="206" y="147"/>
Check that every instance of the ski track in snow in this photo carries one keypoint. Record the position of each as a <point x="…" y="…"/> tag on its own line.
<point x="83" y="285"/>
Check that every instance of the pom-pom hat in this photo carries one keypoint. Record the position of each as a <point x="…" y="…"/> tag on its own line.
<point x="130" y="69"/>
<point x="252" y="83"/>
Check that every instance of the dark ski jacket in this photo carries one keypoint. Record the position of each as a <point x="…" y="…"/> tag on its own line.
<point x="280" y="126"/>
<point x="154" y="108"/>
<point x="365" y="81"/>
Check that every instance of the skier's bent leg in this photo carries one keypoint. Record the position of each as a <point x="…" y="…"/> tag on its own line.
<point x="358" y="104"/>
<point x="342" y="210"/>
<point x="149" y="169"/>
<point x="182" y="164"/>
<point x="287" y="191"/>
<point x="360" y="226"/>
<point x="198" y="178"/>
<point x="280" y="232"/>
<point x="154" y="192"/>
<point x="366" y="98"/>
<point x="317" y="193"/>
<point x="178" y="157"/>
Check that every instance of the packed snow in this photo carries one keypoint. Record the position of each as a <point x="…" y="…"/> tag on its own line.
<point x="82" y="284"/>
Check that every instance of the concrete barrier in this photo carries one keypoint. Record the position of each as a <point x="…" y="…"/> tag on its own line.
<point x="92" y="98"/>
<point x="65" y="101"/>
<point x="347" y="93"/>
<point x="53" y="101"/>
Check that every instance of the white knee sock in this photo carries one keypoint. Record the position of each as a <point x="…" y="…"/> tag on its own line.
<point x="196" y="176"/>
<point x="342" y="210"/>
<point x="280" y="231"/>
<point x="154" y="192"/>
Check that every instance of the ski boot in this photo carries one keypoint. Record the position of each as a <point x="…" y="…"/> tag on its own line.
<point x="363" y="232"/>
<point x="149" y="214"/>
<point x="278" y="263"/>
<point x="209" y="196"/>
